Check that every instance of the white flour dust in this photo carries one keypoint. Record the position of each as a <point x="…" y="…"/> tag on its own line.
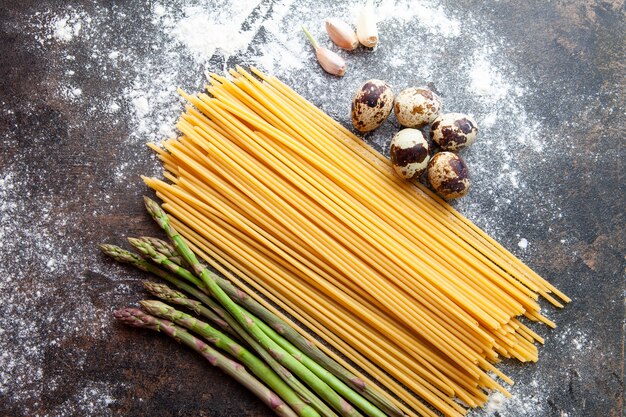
<point x="523" y="243"/>
<point x="174" y="44"/>
<point x="525" y="401"/>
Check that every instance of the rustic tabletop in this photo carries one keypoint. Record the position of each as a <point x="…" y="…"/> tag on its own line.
<point x="84" y="84"/>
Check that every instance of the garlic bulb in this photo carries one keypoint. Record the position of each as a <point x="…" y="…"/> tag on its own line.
<point x="328" y="60"/>
<point x="341" y="34"/>
<point x="366" y="30"/>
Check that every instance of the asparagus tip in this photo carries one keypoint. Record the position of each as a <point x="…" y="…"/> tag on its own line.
<point x="106" y="248"/>
<point x="130" y="316"/>
<point x="140" y="246"/>
<point x="120" y="254"/>
<point x="162" y="291"/>
<point x="152" y="206"/>
<point x="155" y="307"/>
<point x="161" y="246"/>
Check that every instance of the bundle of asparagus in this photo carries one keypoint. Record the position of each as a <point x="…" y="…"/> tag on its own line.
<point x="279" y="365"/>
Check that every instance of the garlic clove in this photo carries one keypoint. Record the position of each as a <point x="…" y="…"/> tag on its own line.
<point x="330" y="61"/>
<point x="366" y="30"/>
<point x="341" y="34"/>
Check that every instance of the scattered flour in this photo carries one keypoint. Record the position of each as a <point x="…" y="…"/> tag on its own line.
<point x="523" y="243"/>
<point x="203" y="31"/>
<point x="67" y="27"/>
<point x="432" y="18"/>
<point x="114" y="107"/>
<point x="573" y="338"/>
<point x="34" y="306"/>
<point x="525" y="401"/>
<point x="141" y="105"/>
<point x="496" y="402"/>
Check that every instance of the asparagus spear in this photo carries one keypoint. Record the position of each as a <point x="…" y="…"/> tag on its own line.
<point x="244" y="319"/>
<point x="175" y="297"/>
<point x="165" y="248"/>
<point x="150" y="252"/>
<point x="122" y="255"/>
<point x="222" y="341"/>
<point x="281" y="327"/>
<point x="167" y="294"/>
<point x="137" y="318"/>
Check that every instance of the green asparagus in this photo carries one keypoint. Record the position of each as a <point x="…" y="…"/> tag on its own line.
<point x="309" y="349"/>
<point x="282" y="327"/>
<point x="175" y="297"/>
<point x="167" y="294"/>
<point x="165" y="248"/>
<point x="222" y="341"/>
<point x="122" y="255"/>
<point x="137" y="318"/>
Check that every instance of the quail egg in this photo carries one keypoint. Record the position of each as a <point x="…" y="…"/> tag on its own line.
<point x="448" y="175"/>
<point x="371" y="105"/>
<point x="453" y="131"/>
<point x="409" y="153"/>
<point x="417" y="107"/>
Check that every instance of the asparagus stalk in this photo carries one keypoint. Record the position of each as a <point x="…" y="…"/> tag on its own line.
<point x="222" y="341"/>
<point x="127" y="257"/>
<point x="137" y="318"/>
<point x="244" y="319"/>
<point x="150" y="252"/>
<point x="281" y="327"/>
<point x="165" y="293"/>
<point x="124" y="256"/>
<point x="309" y="349"/>
<point x="165" y="248"/>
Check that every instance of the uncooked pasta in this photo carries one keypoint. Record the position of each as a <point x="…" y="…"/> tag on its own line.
<point x="291" y="205"/>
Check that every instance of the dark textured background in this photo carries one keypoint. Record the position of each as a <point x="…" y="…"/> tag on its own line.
<point x="573" y="50"/>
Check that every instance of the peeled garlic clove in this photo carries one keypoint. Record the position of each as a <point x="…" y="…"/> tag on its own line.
<point x="366" y="30"/>
<point x="330" y="61"/>
<point x="341" y="34"/>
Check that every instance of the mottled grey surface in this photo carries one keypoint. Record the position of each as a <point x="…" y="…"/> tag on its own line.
<point x="547" y="168"/>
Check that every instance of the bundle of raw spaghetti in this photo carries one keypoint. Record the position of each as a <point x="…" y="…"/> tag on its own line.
<point x="284" y="200"/>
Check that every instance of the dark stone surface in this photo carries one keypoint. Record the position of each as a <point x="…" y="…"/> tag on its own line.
<point x="566" y="51"/>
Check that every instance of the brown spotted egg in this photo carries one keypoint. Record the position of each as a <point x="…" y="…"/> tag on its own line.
<point x="453" y="131"/>
<point x="409" y="153"/>
<point x="448" y="175"/>
<point x="416" y="107"/>
<point x="371" y="105"/>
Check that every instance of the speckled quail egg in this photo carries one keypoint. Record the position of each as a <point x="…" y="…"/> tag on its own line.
<point x="417" y="107"/>
<point x="409" y="153"/>
<point x="448" y="175"/>
<point x="371" y="105"/>
<point x="453" y="131"/>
